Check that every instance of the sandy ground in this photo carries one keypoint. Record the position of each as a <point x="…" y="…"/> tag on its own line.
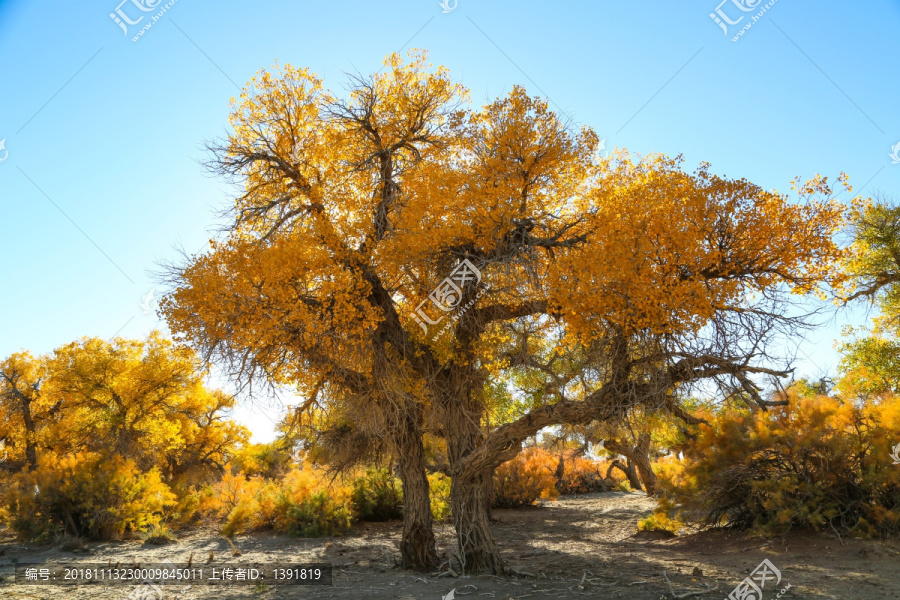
<point x="578" y="547"/>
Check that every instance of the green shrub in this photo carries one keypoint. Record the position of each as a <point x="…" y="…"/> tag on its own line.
<point x="159" y="535"/>
<point x="317" y="515"/>
<point x="377" y="496"/>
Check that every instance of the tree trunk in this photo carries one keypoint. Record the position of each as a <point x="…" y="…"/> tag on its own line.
<point x="488" y="482"/>
<point x="632" y="475"/>
<point x="638" y="463"/>
<point x="470" y="492"/>
<point x="417" y="548"/>
<point x="642" y="461"/>
<point x="615" y="464"/>
<point x="30" y="445"/>
<point x="627" y="469"/>
<point x="477" y="550"/>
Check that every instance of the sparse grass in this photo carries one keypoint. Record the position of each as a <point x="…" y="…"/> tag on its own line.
<point x="659" y="522"/>
<point x="159" y="535"/>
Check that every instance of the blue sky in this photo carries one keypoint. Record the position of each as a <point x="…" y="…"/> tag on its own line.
<point x="104" y="135"/>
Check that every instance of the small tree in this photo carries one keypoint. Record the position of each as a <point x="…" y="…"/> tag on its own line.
<point x="96" y="432"/>
<point x="871" y="362"/>
<point x="141" y="400"/>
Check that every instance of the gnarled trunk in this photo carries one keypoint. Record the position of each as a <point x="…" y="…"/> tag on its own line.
<point x="642" y="461"/>
<point x="632" y="475"/>
<point x="639" y="458"/>
<point x="628" y="470"/>
<point x="470" y="492"/>
<point x="477" y="550"/>
<point x="417" y="548"/>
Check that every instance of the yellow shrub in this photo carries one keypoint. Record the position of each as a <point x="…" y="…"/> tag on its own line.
<point x="581" y="476"/>
<point x="86" y="495"/>
<point x="439" y="485"/>
<point x="529" y="477"/>
<point x="817" y="463"/>
<point x="241" y="505"/>
<point x="665" y="518"/>
<point x="310" y="505"/>
<point x="233" y="489"/>
<point x="302" y="503"/>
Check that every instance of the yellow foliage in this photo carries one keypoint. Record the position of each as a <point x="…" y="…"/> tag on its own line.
<point x="86" y="495"/>
<point x="524" y="480"/>
<point x="819" y="463"/>
<point x="302" y="503"/>
<point x="268" y="460"/>
<point x="660" y="520"/>
<point x="698" y="243"/>
<point x="581" y="476"/>
<point x="141" y="399"/>
<point x="439" y="487"/>
<point x="98" y="426"/>
<point x="306" y="502"/>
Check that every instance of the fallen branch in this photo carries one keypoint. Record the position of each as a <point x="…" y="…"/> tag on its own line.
<point x="677" y="596"/>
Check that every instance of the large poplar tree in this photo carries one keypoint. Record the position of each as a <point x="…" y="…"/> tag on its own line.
<point x="387" y="248"/>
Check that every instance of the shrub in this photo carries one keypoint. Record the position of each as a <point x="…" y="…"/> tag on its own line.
<point x="190" y="502"/>
<point x="86" y="495"/>
<point x="662" y="519"/>
<point x="439" y="485"/>
<point x="159" y="535"/>
<point x="318" y="514"/>
<point x="818" y="463"/>
<point x="299" y="504"/>
<point x="239" y="503"/>
<point x="524" y="480"/>
<point x="311" y="505"/>
<point x="581" y="476"/>
<point x="377" y="496"/>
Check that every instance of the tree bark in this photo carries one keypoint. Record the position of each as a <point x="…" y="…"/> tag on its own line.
<point x="417" y="547"/>
<point x="632" y="475"/>
<point x="642" y="461"/>
<point x="477" y="549"/>
<point x="488" y="483"/>
<point x="639" y="458"/>
<point x="470" y="492"/>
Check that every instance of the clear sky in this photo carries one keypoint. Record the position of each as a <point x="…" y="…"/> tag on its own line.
<point x="100" y="176"/>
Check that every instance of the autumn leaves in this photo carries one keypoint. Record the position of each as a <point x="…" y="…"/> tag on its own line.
<point x="353" y="209"/>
